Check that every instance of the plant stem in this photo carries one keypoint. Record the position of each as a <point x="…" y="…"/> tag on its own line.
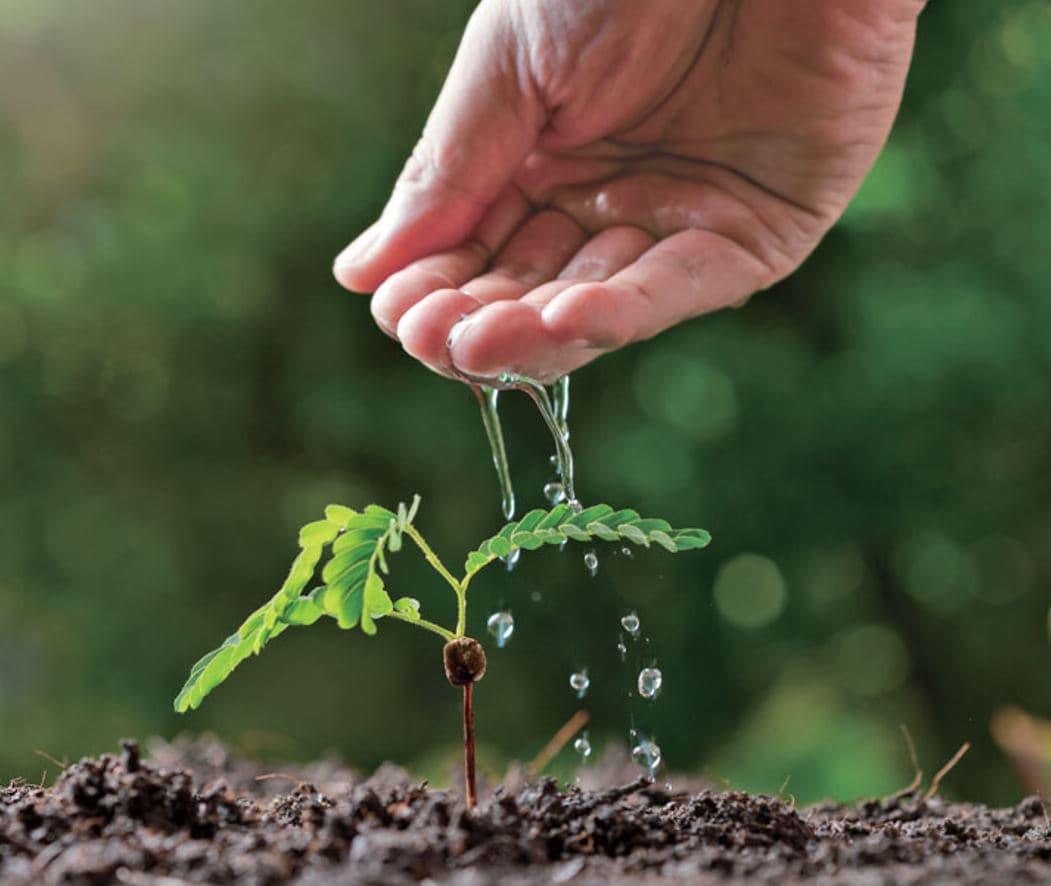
<point x="470" y="788"/>
<point x="460" y="588"/>
<point x="444" y="633"/>
<point x="432" y="557"/>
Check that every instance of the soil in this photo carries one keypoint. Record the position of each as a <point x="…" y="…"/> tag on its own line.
<point x="191" y="812"/>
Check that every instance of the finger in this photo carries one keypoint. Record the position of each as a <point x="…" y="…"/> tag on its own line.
<point x="534" y="254"/>
<point x="509" y="336"/>
<point x="451" y="269"/>
<point x="423" y="328"/>
<point x="484" y="123"/>
<point x="598" y="259"/>
<point x="497" y="339"/>
<point x="691" y="273"/>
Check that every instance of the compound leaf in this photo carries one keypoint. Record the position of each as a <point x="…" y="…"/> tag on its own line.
<point x="562" y="523"/>
<point x="352" y="593"/>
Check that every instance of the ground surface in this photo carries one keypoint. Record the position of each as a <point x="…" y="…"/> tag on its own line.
<point x="192" y="813"/>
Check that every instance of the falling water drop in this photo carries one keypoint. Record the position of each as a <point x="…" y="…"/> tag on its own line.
<point x="536" y="596"/>
<point x="647" y="754"/>
<point x="591" y="562"/>
<point x="554" y="492"/>
<point x="622" y="648"/>
<point x="583" y="746"/>
<point x="555" y="419"/>
<point x="511" y="559"/>
<point x="560" y="403"/>
<point x="631" y="624"/>
<point x="650" y="682"/>
<point x="501" y="625"/>
<point x="580" y="681"/>
<point x="488" y="399"/>
<point x="627" y="552"/>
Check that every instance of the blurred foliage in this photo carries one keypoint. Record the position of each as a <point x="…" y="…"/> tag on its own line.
<point x="182" y="385"/>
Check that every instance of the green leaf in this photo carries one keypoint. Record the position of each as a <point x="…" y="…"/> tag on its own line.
<point x="409" y="607"/>
<point x="376" y="602"/>
<point x="595" y="512"/>
<point x="562" y="524"/>
<point x="340" y="515"/>
<point x="602" y="531"/>
<point x="575" y="533"/>
<point x="320" y="532"/>
<point x="357" y="542"/>
<point x="394" y="537"/>
<point x="632" y="533"/>
<point x="413" y="508"/>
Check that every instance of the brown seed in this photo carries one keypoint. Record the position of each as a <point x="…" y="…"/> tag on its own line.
<point x="464" y="661"/>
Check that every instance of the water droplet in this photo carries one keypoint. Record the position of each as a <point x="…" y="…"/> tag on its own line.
<point x="591" y="562"/>
<point x="582" y="746"/>
<point x="488" y="399"/>
<point x="650" y="682"/>
<point x="556" y="463"/>
<point x="631" y="624"/>
<point x="580" y="681"/>
<point x="575" y="505"/>
<point x="622" y="649"/>
<point x="627" y="552"/>
<point x="647" y="754"/>
<point x="501" y="625"/>
<point x="511" y="560"/>
<point x="536" y="596"/>
<point x="554" y="492"/>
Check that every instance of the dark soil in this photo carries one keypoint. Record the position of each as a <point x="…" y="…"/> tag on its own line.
<point x="195" y="814"/>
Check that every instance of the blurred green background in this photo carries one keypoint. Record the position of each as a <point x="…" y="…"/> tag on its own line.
<point x="182" y="385"/>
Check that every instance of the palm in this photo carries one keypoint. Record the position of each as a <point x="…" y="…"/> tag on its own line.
<point x="674" y="178"/>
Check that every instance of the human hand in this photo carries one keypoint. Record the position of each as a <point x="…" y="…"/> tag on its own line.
<point x="595" y="172"/>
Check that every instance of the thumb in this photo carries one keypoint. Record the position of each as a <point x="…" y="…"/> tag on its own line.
<point x="484" y="124"/>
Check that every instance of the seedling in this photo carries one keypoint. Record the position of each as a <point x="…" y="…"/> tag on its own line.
<point x="354" y="593"/>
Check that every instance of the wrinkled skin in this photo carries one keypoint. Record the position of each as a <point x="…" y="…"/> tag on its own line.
<point x="595" y="172"/>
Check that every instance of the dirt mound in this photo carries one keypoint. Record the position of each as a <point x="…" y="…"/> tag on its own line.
<point x="119" y="819"/>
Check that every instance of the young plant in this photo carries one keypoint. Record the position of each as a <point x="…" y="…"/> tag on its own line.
<point x="353" y="590"/>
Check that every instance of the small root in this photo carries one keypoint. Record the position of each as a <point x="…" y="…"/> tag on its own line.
<point x="558" y="741"/>
<point x="270" y="775"/>
<point x="44" y="755"/>
<point x="945" y="770"/>
<point x="913" y="786"/>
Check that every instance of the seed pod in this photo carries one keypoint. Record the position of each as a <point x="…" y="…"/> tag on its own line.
<point x="464" y="661"/>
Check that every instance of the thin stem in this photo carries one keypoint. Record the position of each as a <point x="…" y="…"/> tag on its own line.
<point x="470" y="788"/>
<point x="444" y="633"/>
<point x="461" y="611"/>
<point x="459" y="588"/>
<point x="432" y="557"/>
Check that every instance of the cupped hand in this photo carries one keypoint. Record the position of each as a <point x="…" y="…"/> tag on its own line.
<point x="595" y="172"/>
